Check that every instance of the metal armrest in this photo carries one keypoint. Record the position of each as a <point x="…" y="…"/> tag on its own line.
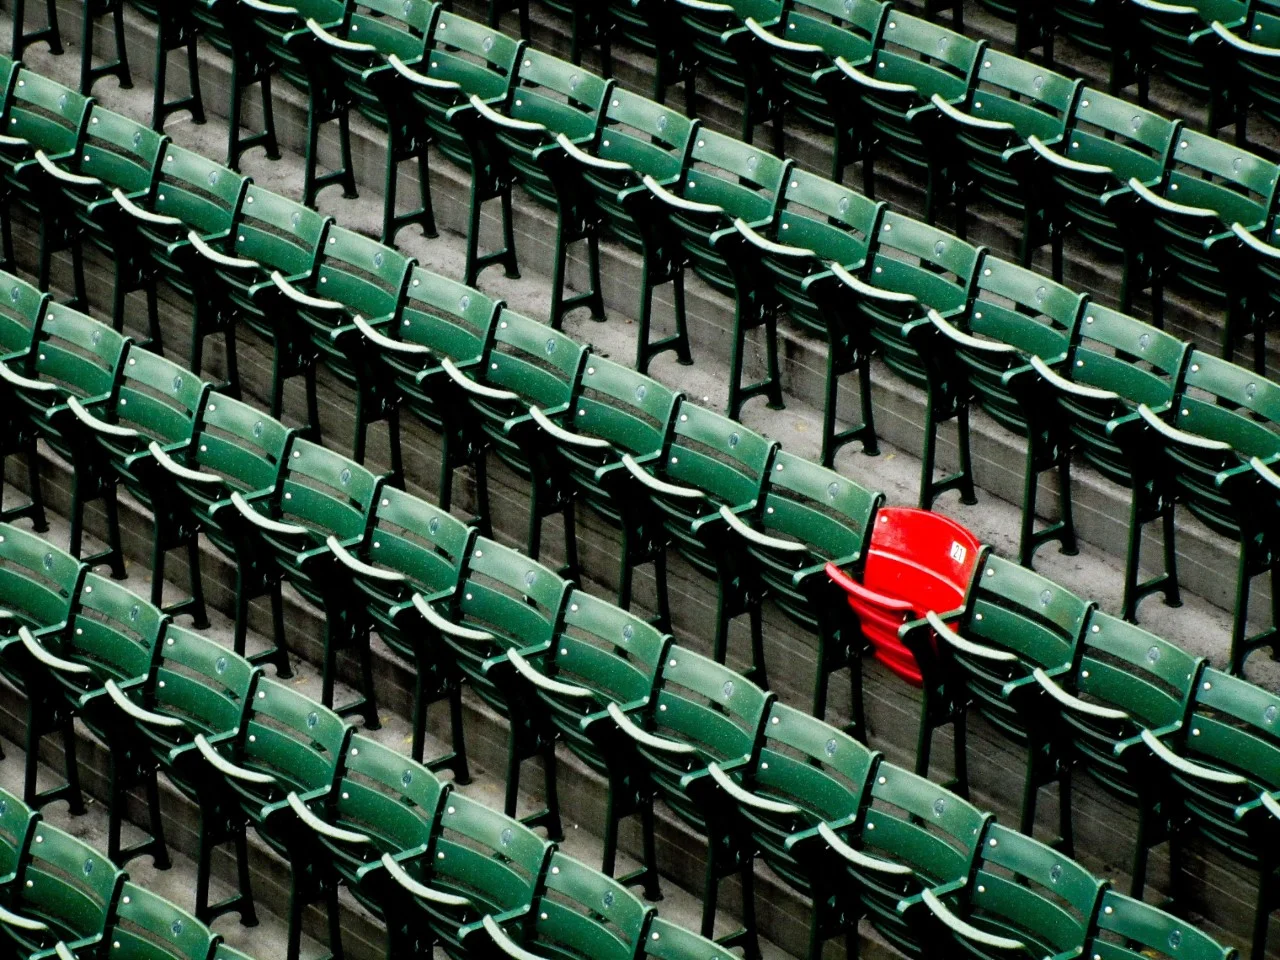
<point x="778" y="43"/>
<point x="149" y="717"/>
<point x="867" y="595"/>
<point x="421" y="890"/>
<point x="1066" y="386"/>
<point x="526" y="670"/>
<point x="446" y="626"/>
<point x="1066" y="163"/>
<point x="7" y="141"/>
<point x="505" y="943"/>
<point x="1240" y="43"/>
<point x="349" y="560"/>
<point x="706" y="6"/>
<point x="767" y="245"/>
<point x="50" y="660"/>
<point x="62" y="951"/>
<point x="55" y="171"/>
<point x="24" y="383"/>
<point x="321" y="827"/>
<point x="263" y="7"/>
<point x="644" y="737"/>
<point x="1168" y="206"/>
<point x="563" y="435"/>
<point x="1075" y="703"/>
<point x="967" y="930"/>
<point x="10" y="919"/>
<point x="756" y="537"/>
<point x="178" y="470"/>
<point x="511" y="123"/>
<point x="1259" y="247"/>
<point x="421" y="79"/>
<point x="221" y="259"/>
<point x="96" y="425"/>
<point x="226" y="767"/>
<point x="864" y="289"/>
<point x="147" y="216"/>
<point x="1265" y="472"/>
<point x="1271" y="804"/>
<point x="297" y="296"/>
<point x="386" y="343"/>
<point x="338" y="42"/>
<point x="469" y="385"/>
<point x="265" y="523"/>
<point x="967" y="646"/>
<point x="965" y="340"/>
<point x="727" y="784"/>
<point x="1174" y="435"/>
<point x="871" y="83"/>
<point x="573" y="150"/>
<point x="659" y="486"/>
<point x="680" y="203"/>
<point x="1185" y="766"/>
<point x="966" y="120"/>
<point x="1175" y="8"/>
<point x="860" y="859"/>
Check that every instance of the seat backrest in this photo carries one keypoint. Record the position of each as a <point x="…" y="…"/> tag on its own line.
<point x="397" y="27"/>
<point x="279" y="233"/>
<point x="146" y="926"/>
<point x="818" y="507"/>
<point x="586" y="913"/>
<point x="830" y="219"/>
<point x="38" y="581"/>
<point x="719" y="456"/>
<point x="67" y="883"/>
<point x="743" y="180"/>
<point x="112" y="630"/>
<point x="666" y="941"/>
<point x="613" y="402"/>
<point x="365" y="276"/>
<point x="1007" y="295"/>
<point x="17" y="826"/>
<point x="517" y="598"/>
<point x="531" y="359"/>
<point x="201" y="681"/>
<point x="286" y="732"/>
<point x="1232" y="727"/>
<point x="808" y="762"/>
<point x="1012" y="608"/>
<point x="1036" y="101"/>
<point x="1238" y="185"/>
<point x="1113" y="351"/>
<point x="708" y="705"/>
<point x="77" y="353"/>
<point x="1023" y="886"/>
<point x="326" y="492"/>
<point x="120" y="152"/>
<point x="560" y="95"/>
<point x="1131" y="140"/>
<point x="159" y="398"/>
<point x="416" y="538"/>
<point x="934" y="266"/>
<point x="1128" y="929"/>
<point x="479" y="58"/>
<point x="840" y="28"/>
<point x="46" y="114"/>
<point x="245" y="446"/>
<point x="650" y="138"/>
<point x="925" y="55"/>
<point x="22" y="308"/>
<point x="200" y="192"/>
<point x="386" y="794"/>
<point x="452" y="319"/>
<point x="1221" y="401"/>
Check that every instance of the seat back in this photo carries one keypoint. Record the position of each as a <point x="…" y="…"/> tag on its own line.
<point x="120" y="152"/>
<point x="279" y="233"/>
<point x="839" y="29"/>
<point x="382" y="793"/>
<point x="1128" y="929"/>
<point x="200" y="192"/>
<point x="292" y="737"/>
<point x="112" y="631"/>
<point x="560" y="95"/>
<point x="66" y="884"/>
<point x="78" y="355"/>
<point x="326" y="492"/>
<point x="1035" y="101"/>
<point x="159" y="399"/>
<point x="367" y="277"/>
<point x="49" y="116"/>
<point x="480" y="59"/>
<point x="38" y="581"/>
<point x="200" y="681"/>
<point x="581" y="912"/>
<point x="1239" y="186"/>
<point x="393" y="26"/>
<point x="1251" y="44"/>
<point x="926" y="56"/>
<point x="21" y="311"/>
<point x="17" y="826"/>
<point x="146" y="926"/>
<point x="666" y="941"/>
<point x="709" y="452"/>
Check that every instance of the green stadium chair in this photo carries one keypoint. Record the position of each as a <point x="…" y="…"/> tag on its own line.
<point x="1013" y="621"/>
<point x="805" y="773"/>
<point x="1099" y="27"/>
<point x="724" y="182"/>
<point x="1024" y="899"/>
<point x="707" y="461"/>
<point x="65" y="890"/>
<point x="410" y="546"/>
<point x="914" y="61"/>
<point x="112" y="635"/>
<point x="980" y="356"/>
<point x="701" y="714"/>
<point x="176" y="29"/>
<point x="154" y="401"/>
<point x="818" y="223"/>
<point x="354" y="275"/>
<point x="1126" y="929"/>
<point x="805" y="517"/>
<point x="911" y="835"/>
<point x="1115" y="364"/>
<point x="503" y="601"/>
<point x="18" y="823"/>
<point x="286" y="753"/>
<point x="1178" y="43"/>
<point x="1012" y="100"/>
<point x="601" y="655"/>
<point x="1223" y="764"/>
<point x="613" y="411"/>
<point x="641" y="138"/>
<point x="1121" y="681"/>
<point x="146" y="926"/>
<point x="21" y="313"/>
<point x="190" y="195"/>
<point x="198" y="688"/>
<point x="1250" y="48"/>
<point x="376" y="30"/>
<point x="298" y="55"/>
<point x="801" y="48"/>
<point x="231" y="270"/>
<point x="318" y="494"/>
<point x="1222" y="417"/>
<point x="478" y="862"/>
<point x="577" y="914"/>
<point x="437" y="319"/>
<point x="524" y="364"/>
<point x="73" y="355"/>
<point x="551" y="99"/>
<point x="666" y="941"/>
<point x="1085" y="173"/>
<point x="227" y="27"/>
<point x="234" y="447"/>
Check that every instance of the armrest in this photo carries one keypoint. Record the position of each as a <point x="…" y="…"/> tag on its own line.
<point x="505" y="943"/>
<point x="1271" y="804"/>
<point x="967" y="646"/>
<point x="563" y="435"/>
<point x="421" y="79"/>
<point x="1240" y="43"/>
<point x="53" y="662"/>
<point x="1265" y="472"/>
<point x="526" y="670"/>
<point x="680" y="203"/>
<point x="297" y="296"/>
<point x="659" y="486"/>
<point x="55" y="171"/>
<point x="966" y="120"/>
<point x="226" y="767"/>
<point x="147" y="216"/>
<point x="587" y="159"/>
<point x="1066" y="163"/>
<point x="263" y="7"/>
<point x="705" y="6"/>
<point x="767" y="245"/>
<point x="778" y="43"/>
<point x="966" y="930"/>
<point x="510" y="123"/>
<point x="321" y="827"/>
<point x="178" y="470"/>
<point x="1174" y="435"/>
<point x="1185" y="766"/>
<point x="1175" y="8"/>
<point x="386" y="343"/>
<point x="1066" y="386"/>
<point x="865" y="289"/>
<point x="445" y="626"/>
<point x="965" y="340"/>
<point x="221" y="259"/>
<point x="127" y="706"/>
<point x="1259" y="247"/>
<point x="62" y="951"/>
<point x="644" y="737"/>
<point x="24" y="383"/>
<point x="756" y="537"/>
<point x="11" y="919"/>
<point x="470" y="386"/>
<point x="1168" y="206"/>
<point x="7" y="141"/>
<point x="348" y="560"/>
<point x="1075" y="703"/>
<point x="866" y="594"/>
<point x="421" y="890"/>
<point x="860" y="859"/>
<point x="338" y="42"/>
<point x="265" y="523"/>
<point x="871" y="83"/>
<point x="96" y="425"/>
<point x="727" y="784"/>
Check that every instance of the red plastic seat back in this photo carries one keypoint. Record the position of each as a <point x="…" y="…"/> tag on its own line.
<point x="917" y="561"/>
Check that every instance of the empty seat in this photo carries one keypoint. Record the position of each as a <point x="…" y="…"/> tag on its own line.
<point x="146" y="926"/>
<point x="20" y="316"/>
